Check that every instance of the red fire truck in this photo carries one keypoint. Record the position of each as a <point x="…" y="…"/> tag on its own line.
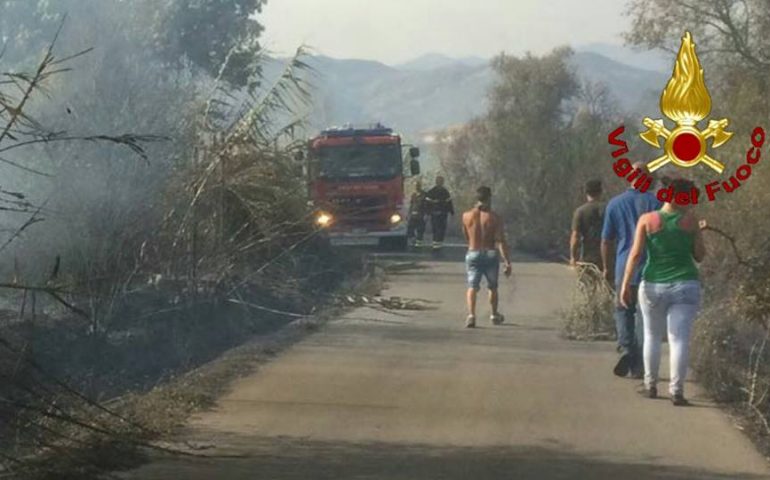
<point x="356" y="182"/>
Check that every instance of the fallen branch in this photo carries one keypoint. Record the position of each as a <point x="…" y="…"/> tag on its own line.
<point x="268" y="309"/>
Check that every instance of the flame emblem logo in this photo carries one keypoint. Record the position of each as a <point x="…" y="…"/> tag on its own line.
<point x="686" y="101"/>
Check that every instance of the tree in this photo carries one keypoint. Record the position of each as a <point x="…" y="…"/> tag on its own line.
<point x="730" y="341"/>
<point x="221" y="37"/>
<point x="723" y="28"/>
<point x="534" y="147"/>
<point x="731" y="36"/>
<point x="217" y="37"/>
<point x="527" y="126"/>
<point x="463" y="152"/>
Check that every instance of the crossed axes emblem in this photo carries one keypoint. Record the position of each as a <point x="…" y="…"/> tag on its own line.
<point x="685" y="146"/>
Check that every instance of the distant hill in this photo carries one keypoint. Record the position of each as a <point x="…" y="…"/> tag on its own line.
<point x="636" y="90"/>
<point x="655" y="60"/>
<point x="432" y="61"/>
<point x="435" y="91"/>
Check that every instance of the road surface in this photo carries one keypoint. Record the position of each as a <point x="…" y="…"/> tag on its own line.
<point x="413" y="395"/>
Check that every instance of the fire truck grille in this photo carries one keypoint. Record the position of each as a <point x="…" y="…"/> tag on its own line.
<point x="360" y="210"/>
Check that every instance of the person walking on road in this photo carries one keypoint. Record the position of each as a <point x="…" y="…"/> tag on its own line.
<point x="487" y="243"/>
<point x="440" y="206"/>
<point x="416" y="226"/>
<point x="670" y="292"/>
<point x="587" y="223"/>
<point x="620" y="219"/>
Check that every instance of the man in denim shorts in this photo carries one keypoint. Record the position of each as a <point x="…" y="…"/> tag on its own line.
<point x="485" y="233"/>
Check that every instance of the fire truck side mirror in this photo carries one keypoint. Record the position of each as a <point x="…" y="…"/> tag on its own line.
<point x="414" y="166"/>
<point x="414" y="152"/>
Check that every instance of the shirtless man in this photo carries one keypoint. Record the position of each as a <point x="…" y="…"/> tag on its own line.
<point x="484" y="231"/>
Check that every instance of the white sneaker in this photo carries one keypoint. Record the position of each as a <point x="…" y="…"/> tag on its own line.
<point x="497" y="319"/>
<point x="470" y="322"/>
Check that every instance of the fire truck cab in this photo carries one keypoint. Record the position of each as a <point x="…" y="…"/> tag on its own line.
<point x="356" y="184"/>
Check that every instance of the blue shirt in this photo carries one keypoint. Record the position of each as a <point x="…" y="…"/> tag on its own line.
<point x="620" y="219"/>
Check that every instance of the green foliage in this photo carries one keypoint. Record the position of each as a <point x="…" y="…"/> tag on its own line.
<point x="527" y="133"/>
<point x="531" y="91"/>
<point x="541" y="139"/>
<point x="218" y="36"/>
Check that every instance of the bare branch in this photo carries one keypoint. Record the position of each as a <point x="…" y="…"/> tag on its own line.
<point x="733" y="244"/>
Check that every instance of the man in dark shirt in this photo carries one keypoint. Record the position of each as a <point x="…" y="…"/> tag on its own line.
<point x="586" y="239"/>
<point x="440" y="205"/>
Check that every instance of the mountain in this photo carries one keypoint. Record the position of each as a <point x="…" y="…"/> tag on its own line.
<point x="435" y="91"/>
<point x="655" y="60"/>
<point x="432" y="61"/>
<point x="409" y="100"/>
<point x="636" y="90"/>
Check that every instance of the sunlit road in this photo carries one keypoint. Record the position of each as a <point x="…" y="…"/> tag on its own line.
<point x="413" y="395"/>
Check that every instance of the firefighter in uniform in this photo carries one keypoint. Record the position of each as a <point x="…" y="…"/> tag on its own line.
<point x="440" y="206"/>
<point x="417" y="205"/>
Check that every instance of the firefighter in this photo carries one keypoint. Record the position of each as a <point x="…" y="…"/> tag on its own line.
<point x="440" y="206"/>
<point x="417" y="204"/>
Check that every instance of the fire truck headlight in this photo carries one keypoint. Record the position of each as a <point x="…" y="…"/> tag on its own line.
<point x="323" y="219"/>
<point x="395" y="219"/>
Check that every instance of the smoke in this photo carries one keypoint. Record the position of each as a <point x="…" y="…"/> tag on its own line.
<point x="95" y="194"/>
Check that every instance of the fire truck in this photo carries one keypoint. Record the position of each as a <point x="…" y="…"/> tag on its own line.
<point x="356" y="184"/>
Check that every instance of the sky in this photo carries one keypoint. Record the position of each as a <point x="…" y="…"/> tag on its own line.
<point x="395" y="31"/>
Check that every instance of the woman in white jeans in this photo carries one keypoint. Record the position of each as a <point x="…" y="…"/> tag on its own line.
<point x="670" y="292"/>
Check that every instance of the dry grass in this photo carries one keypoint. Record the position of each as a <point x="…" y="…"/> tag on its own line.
<point x="590" y="316"/>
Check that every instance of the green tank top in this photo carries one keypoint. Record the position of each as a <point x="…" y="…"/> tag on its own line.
<point x="669" y="252"/>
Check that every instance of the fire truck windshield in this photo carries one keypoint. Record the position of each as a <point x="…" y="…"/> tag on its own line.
<point x="360" y="161"/>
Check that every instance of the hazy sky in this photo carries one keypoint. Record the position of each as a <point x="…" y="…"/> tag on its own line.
<point x="393" y="31"/>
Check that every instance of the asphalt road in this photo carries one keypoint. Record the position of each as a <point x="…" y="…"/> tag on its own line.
<point x="413" y="395"/>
